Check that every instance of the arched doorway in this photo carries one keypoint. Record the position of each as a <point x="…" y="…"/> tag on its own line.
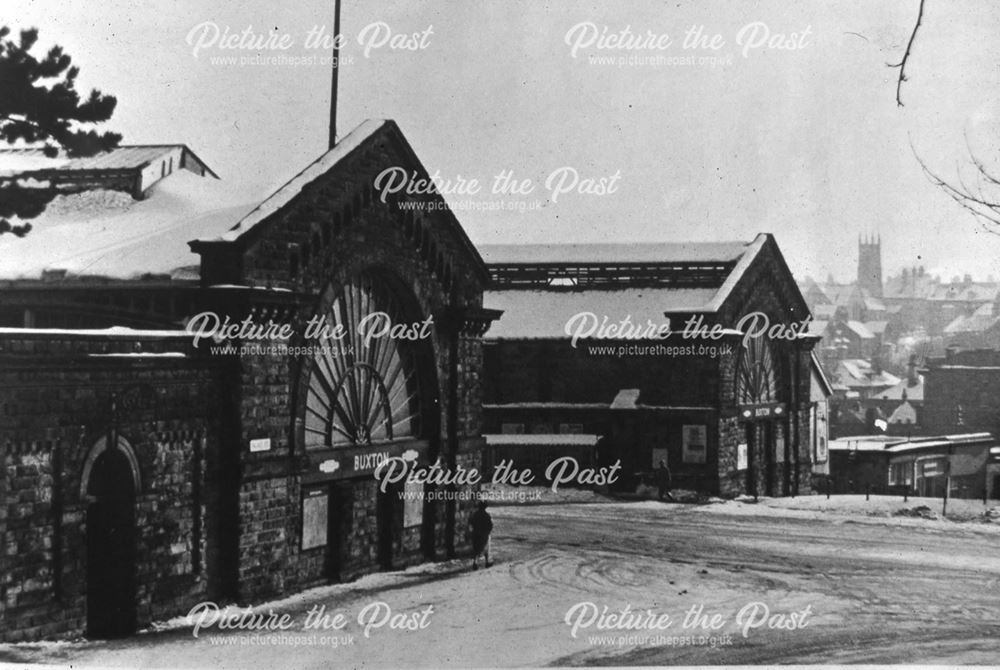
<point x="111" y="485"/>
<point x="756" y="394"/>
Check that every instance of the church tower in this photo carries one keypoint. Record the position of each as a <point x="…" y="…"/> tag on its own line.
<point x="870" y="265"/>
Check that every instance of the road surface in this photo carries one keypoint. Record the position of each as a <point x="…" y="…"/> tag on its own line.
<point x="838" y="590"/>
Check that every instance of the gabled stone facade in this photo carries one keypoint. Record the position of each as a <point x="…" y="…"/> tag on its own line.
<point x="220" y="466"/>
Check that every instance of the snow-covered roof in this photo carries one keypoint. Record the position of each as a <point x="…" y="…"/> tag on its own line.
<point x="125" y="157"/>
<point x="980" y="321"/>
<point x="113" y="332"/>
<point x="857" y="372"/>
<point x="632" y="253"/>
<point x="864" y="443"/>
<point x="914" y="392"/>
<point x="317" y="169"/>
<point x="109" y="234"/>
<point x="860" y="330"/>
<point x="874" y="304"/>
<point x="536" y="314"/>
<point x="904" y="413"/>
<point x="942" y="441"/>
<point x="966" y="292"/>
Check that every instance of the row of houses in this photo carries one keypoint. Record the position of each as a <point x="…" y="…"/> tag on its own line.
<point x="885" y="321"/>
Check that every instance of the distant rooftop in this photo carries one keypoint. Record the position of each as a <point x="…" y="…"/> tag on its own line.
<point x="125" y="157"/>
<point x="701" y="265"/>
<point x="630" y="254"/>
<point x="541" y="287"/>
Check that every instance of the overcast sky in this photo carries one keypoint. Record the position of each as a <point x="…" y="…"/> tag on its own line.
<point x="806" y="143"/>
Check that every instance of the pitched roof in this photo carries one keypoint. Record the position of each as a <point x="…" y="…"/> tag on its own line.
<point x="361" y="135"/>
<point x="860" y="330"/>
<point x="294" y="186"/>
<point x="537" y="310"/>
<point x="914" y="392"/>
<point x="904" y="413"/>
<point x="859" y="373"/>
<point x="107" y="234"/>
<point x="965" y="292"/>
<point x="980" y="321"/>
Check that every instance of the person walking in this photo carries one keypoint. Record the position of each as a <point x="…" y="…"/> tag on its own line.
<point x="663" y="481"/>
<point x="481" y="524"/>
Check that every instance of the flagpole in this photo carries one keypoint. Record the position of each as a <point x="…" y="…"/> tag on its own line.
<point x="334" y="72"/>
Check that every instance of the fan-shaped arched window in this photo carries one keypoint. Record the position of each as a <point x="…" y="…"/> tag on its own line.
<point x="756" y="377"/>
<point x="360" y="394"/>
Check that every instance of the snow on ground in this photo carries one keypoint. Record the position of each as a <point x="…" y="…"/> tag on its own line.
<point x="874" y="593"/>
<point x="879" y="510"/>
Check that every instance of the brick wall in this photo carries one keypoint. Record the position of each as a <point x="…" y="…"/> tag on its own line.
<point x="962" y="393"/>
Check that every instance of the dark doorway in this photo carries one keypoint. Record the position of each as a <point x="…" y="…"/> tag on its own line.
<point x="751" y="437"/>
<point x="387" y="520"/>
<point x="770" y="458"/>
<point x="339" y="510"/>
<point x="111" y="547"/>
<point x="791" y="460"/>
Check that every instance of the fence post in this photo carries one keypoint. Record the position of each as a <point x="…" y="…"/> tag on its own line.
<point x="868" y="492"/>
<point x="829" y="485"/>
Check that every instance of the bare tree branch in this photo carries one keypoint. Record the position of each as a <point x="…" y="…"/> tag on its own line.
<point x="906" y="55"/>
<point x="986" y="208"/>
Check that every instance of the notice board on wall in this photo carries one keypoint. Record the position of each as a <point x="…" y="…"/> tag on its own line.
<point x="315" y="511"/>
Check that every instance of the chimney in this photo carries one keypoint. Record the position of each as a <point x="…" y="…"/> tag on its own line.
<point x="912" y="379"/>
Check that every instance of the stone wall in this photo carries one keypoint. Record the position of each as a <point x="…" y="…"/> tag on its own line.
<point x="58" y="402"/>
<point x="331" y="232"/>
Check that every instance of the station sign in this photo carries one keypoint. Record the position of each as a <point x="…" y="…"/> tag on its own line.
<point x="767" y="411"/>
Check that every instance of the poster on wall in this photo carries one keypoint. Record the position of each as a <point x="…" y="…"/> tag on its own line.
<point x="315" y="508"/>
<point x="779" y="449"/>
<point x="742" y="460"/>
<point x="694" y="443"/>
<point x="660" y="454"/>
<point x="413" y="504"/>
